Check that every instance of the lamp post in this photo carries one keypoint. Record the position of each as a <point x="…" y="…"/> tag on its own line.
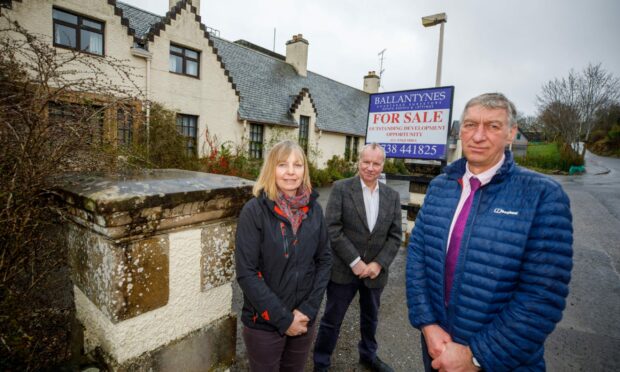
<point x="430" y="21"/>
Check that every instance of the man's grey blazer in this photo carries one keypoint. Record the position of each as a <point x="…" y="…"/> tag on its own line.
<point x="349" y="235"/>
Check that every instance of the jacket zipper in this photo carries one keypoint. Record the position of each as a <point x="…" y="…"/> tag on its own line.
<point x="285" y="241"/>
<point x="286" y="254"/>
<point x="284" y="238"/>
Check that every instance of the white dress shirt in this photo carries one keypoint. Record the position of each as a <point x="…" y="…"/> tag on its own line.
<point x="371" y="205"/>
<point x="484" y="178"/>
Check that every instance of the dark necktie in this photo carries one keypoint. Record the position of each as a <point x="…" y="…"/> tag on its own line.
<point x="457" y="234"/>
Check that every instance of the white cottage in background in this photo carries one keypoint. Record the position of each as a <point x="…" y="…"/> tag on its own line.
<point x="242" y="93"/>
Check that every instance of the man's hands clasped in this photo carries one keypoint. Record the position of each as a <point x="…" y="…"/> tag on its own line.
<point x="363" y="270"/>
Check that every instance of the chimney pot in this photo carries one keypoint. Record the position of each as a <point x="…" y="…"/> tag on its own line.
<point x="371" y="82"/>
<point x="297" y="54"/>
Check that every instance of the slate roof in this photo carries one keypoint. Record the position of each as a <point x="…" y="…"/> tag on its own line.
<point x="270" y="88"/>
<point x="140" y="20"/>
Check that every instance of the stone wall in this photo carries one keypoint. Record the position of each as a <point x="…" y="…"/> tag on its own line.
<point x="152" y="262"/>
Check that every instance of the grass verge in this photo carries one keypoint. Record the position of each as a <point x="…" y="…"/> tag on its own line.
<point x="550" y="158"/>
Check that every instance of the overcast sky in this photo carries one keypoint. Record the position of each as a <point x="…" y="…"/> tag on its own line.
<point x="510" y="46"/>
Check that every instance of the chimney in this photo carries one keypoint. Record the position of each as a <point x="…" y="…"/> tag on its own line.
<point x="371" y="83"/>
<point x="297" y="54"/>
<point x="194" y="3"/>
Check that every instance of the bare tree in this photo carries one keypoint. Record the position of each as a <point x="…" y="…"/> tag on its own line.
<point x="52" y="105"/>
<point x="557" y="105"/>
<point x="561" y="122"/>
<point x="529" y="123"/>
<point x="599" y="89"/>
<point x="577" y="98"/>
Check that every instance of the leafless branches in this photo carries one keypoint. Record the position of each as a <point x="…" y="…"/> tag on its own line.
<point x="54" y="109"/>
<point x="568" y="106"/>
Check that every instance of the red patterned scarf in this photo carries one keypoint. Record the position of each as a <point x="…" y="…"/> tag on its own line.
<point x="292" y="207"/>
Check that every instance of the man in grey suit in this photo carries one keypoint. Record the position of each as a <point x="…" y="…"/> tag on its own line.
<point x="364" y="226"/>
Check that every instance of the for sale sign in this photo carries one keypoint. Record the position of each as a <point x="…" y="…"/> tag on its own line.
<point x="411" y="124"/>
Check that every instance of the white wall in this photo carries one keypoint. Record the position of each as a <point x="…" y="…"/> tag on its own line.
<point x="36" y="17"/>
<point x="210" y="97"/>
<point x="188" y="308"/>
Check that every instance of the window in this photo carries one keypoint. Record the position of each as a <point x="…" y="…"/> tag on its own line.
<point x="351" y="148"/>
<point x="304" y="123"/>
<point x="187" y="125"/>
<point x="256" y="141"/>
<point x="124" y="127"/>
<point x="85" y="119"/>
<point x="184" y="61"/>
<point x="518" y="136"/>
<point x="347" y="149"/>
<point x="78" y="33"/>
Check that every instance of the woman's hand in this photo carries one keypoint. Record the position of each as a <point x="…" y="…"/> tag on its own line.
<point x="299" y="325"/>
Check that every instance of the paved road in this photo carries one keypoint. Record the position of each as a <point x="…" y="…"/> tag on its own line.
<point x="588" y="337"/>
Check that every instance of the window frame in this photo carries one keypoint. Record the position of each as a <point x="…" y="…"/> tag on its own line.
<point x="96" y="122"/>
<point x="124" y="127"/>
<point x="184" y="59"/>
<point x="347" y="148"/>
<point x="190" y="140"/>
<point x="78" y="27"/>
<point x="255" y="148"/>
<point x="304" y="128"/>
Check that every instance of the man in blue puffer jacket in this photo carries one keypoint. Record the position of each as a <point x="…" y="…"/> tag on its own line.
<point x="490" y="257"/>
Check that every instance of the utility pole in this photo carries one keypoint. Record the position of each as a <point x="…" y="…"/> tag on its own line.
<point x="274" y="39"/>
<point x="430" y="21"/>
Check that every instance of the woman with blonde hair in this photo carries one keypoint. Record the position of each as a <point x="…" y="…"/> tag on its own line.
<point x="283" y="262"/>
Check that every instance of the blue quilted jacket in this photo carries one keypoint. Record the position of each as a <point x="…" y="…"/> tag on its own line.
<point x="513" y="270"/>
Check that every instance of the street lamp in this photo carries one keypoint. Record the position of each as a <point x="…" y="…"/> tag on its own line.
<point x="430" y="21"/>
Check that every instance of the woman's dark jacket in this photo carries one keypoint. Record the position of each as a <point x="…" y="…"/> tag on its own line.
<point x="277" y="270"/>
